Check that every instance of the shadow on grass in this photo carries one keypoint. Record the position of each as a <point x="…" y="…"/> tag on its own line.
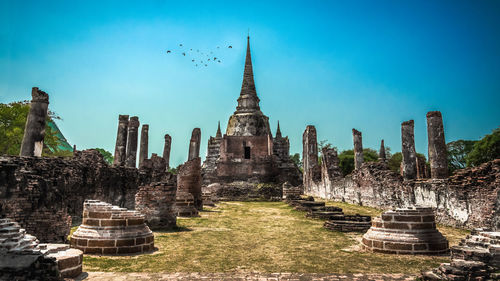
<point x="210" y="211"/>
<point x="173" y="230"/>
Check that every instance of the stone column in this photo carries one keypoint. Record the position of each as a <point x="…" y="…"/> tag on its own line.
<point x="437" y="145"/>
<point x="194" y="144"/>
<point x="166" y="149"/>
<point x="34" y="130"/>
<point x="381" y="153"/>
<point x="358" y="148"/>
<point x="132" y="136"/>
<point x="143" y="153"/>
<point x="121" y="141"/>
<point x="409" y="161"/>
<point x="310" y="156"/>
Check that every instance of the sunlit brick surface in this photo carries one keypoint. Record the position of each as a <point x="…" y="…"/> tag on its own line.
<point x="406" y="231"/>
<point x="109" y="230"/>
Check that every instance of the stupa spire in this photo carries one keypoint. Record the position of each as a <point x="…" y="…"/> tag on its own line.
<point x="248" y="100"/>
<point x="278" y="131"/>
<point x="218" y="134"/>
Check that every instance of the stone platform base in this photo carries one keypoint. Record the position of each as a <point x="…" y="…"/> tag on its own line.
<point x="346" y="223"/>
<point x="406" y="231"/>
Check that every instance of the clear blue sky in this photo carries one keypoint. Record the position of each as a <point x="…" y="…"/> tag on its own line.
<point x="337" y="65"/>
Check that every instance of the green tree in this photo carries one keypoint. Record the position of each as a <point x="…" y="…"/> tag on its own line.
<point x="346" y="159"/>
<point x="296" y="159"/>
<point x="12" y="122"/>
<point x="486" y="149"/>
<point x="394" y="162"/>
<point x="457" y="153"/>
<point x="108" y="157"/>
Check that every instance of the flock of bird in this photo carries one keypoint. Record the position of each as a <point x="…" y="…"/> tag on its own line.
<point x="198" y="58"/>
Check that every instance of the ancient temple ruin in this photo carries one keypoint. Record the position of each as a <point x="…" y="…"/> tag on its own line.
<point x="248" y="152"/>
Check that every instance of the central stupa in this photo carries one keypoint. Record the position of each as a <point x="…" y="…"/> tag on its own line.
<point x="248" y="120"/>
<point x="247" y="152"/>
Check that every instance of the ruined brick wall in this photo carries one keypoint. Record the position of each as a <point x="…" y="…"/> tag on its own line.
<point x="189" y="180"/>
<point x="156" y="201"/>
<point x="470" y="198"/>
<point x="42" y="193"/>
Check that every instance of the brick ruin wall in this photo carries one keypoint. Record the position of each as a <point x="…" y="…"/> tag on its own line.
<point x="45" y="194"/>
<point x="470" y="198"/>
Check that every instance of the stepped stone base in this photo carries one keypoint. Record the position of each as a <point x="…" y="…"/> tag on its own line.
<point x="208" y="199"/>
<point x="477" y="257"/>
<point x="346" y="223"/>
<point x="22" y="258"/>
<point x="291" y="192"/>
<point x="406" y="231"/>
<point x="184" y="205"/>
<point x="110" y="230"/>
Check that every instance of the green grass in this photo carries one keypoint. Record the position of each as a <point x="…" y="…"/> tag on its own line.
<point x="262" y="237"/>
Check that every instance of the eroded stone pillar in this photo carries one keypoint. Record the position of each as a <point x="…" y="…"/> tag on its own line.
<point x="409" y="161"/>
<point x="121" y="141"/>
<point x="143" y="153"/>
<point x="34" y="130"/>
<point x="133" y="125"/>
<point x="194" y="144"/>
<point x="437" y="145"/>
<point x="358" y="148"/>
<point x="381" y="153"/>
<point x="310" y="156"/>
<point x="166" y="149"/>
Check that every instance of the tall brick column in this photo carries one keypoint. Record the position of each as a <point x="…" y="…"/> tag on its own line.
<point x="310" y="156"/>
<point x="437" y="145"/>
<point x="166" y="149"/>
<point x="121" y="141"/>
<point x="358" y="148"/>
<point x="34" y="130"/>
<point x="381" y="153"/>
<point x="194" y="144"/>
<point x="133" y="125"/>
<point x="143" y="153"/>
<point x="409" y="162"/>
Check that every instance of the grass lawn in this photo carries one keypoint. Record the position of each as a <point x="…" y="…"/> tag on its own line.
<point x="264" y="237"/>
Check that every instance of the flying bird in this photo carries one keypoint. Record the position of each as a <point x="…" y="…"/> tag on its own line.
<point x="192" y="60"/>
<point x="205" y="65"/>
<point x="230" y="47"/>
<point x="168" y="51"/>
<point x="184" y="54"/>
<point x="180" y="45"/>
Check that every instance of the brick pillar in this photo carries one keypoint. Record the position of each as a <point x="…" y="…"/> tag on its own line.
<point x="381" y="153"/>
<point x="166" y="149"/>
<point x="409" y="162"/>
<point x="309" y="155"/>
<point x="437" y="145"/>
<point x="121" y="141"/>
<point x="194" y="144"/>
<point x="358" y="148"/>
<point x="143" y="153"/>
<point x="34" y="130"/>
<point x="132" y="136"/>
